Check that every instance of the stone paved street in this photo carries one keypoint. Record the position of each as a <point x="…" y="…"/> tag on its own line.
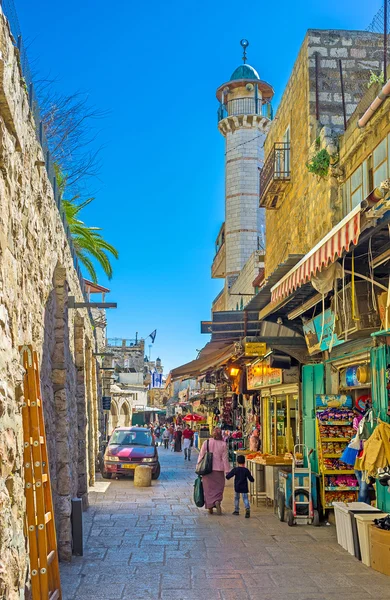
<point x="154" y="544"/>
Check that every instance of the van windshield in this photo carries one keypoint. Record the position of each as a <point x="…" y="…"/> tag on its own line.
<point x="131" y="438"/>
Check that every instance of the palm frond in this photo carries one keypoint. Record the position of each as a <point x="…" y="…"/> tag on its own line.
<point x="88" y="241"/>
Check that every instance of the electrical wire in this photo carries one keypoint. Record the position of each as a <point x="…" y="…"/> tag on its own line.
<point x="243" y="144"/>
<point x="371" y="271"/>
<point x="344" y="309"/>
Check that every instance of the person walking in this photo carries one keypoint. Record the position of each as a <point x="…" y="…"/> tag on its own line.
<point x="177" y="437"/>
<point x="165" y="438"/>
<point x="171" y="438"/>
<point x="157" y="434"/>
<point x="241" y="475"/>
<point x="188" y="437"/>
<point x="214" y="482"/>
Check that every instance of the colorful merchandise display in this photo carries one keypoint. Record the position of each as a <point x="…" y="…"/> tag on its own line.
<point x="334" y="432"/>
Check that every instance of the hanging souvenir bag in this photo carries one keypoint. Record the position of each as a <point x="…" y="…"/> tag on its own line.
<point x="198" y="492"/>
<point x="366" y="425"/>
<point x="205" y="466"/>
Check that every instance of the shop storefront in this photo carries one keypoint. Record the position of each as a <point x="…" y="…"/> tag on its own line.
<point x="278" y="392"/>
<point x="353" y="382"/>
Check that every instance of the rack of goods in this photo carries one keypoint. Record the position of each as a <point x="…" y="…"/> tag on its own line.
<point x="334" y="432"/>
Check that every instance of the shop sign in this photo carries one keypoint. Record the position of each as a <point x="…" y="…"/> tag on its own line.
<point x="106" y="401"/>
<point x="255" y="348"/>
<point x="319" y="332"/>
<point x="333" y="401"/>
<point x="261" y="375"/>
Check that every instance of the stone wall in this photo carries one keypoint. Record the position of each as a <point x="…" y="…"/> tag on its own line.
<point x="37" y="277"/>
<point x="311" y="205"/>
<point x="356" y="145"/>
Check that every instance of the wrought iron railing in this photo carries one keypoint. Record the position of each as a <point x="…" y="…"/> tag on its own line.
<point x="122" y="343"/>
<point x="245" y="106"/>
<point x="276" y="167"/>
<point x="7" y="7"/>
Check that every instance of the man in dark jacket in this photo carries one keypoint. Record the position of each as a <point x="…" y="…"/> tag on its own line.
<point x="241" y="475"/>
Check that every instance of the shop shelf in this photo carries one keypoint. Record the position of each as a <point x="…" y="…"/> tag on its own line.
<point x="336" y="422"/>
<point x="335" y="439"/>
<point x="332" y="455"/>
<point x="338" y="471"/>
<point x="356" y="387"/>
<point x="341" y="489"/>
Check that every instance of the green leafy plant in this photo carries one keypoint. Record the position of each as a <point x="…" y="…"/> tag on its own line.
<point x="319" y="164"/>
<point x="374" y="78"/>
<point x="88" y="242"/>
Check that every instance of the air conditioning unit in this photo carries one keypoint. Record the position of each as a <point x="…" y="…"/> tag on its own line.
<point x="365" y="317"/>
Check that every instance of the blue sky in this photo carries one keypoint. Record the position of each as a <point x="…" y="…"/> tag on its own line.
<point x="155" y="67"/>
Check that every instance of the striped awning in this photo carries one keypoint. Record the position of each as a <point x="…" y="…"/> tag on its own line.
<point x="327" y="251"/>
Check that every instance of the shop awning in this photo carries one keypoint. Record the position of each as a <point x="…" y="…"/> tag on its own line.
<point x="327" y="251"/>
<point x="213" y="355"/>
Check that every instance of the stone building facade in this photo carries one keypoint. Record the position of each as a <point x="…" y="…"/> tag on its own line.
<point x="304" y="207"/>
<point x="37" y="278"/>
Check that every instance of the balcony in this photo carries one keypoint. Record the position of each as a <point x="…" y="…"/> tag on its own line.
<point x="121" y="343"/>
<point x="218" y="268"/>
<point x="218" y="304"/>
<point x="275" y="176"/>
<point x="245" y="106"/>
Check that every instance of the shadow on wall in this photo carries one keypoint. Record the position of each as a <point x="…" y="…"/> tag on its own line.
<point x="58" y="383"/>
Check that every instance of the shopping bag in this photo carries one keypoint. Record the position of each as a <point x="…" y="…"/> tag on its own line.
<point x="198" y="492"/>
<point x="349" y="455"/>
<point x="355" y="444"/>
<point x="205" y="465"/>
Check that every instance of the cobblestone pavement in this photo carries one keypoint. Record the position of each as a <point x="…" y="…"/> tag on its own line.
<point x="154" y="544"/>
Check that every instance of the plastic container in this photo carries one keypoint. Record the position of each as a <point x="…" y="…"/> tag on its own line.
<point x="346" y="528"/>
<point x="364" y="522"/>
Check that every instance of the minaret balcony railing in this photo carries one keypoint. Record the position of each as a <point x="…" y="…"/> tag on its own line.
<point x="275" y="175"/>
<point x="245" y="106"/>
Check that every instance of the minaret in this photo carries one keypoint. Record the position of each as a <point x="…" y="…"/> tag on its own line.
<point x="243" y="118"/>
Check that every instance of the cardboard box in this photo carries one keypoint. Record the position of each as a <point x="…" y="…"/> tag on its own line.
<point x="380" y="550"/>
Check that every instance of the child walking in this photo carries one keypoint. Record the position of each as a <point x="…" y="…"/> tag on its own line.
<point x="241" y="475"/>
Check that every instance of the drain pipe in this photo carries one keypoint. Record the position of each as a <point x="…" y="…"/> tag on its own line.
<point x="383" y="94"/>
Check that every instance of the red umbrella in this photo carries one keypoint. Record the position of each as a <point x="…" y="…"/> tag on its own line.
<point x="193" y="417"/>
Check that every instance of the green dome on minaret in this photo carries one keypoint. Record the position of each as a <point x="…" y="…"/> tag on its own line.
<point x="245" y="72"/>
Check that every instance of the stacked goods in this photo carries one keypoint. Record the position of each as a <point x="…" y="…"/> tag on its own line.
<point x="269" y="459"/>
<point x="333" y="448"/>
<point x="339" y="496"/>
<point x="333" y="482"/>
<point x="330" y="415"/>
<point x="334" y="432"/>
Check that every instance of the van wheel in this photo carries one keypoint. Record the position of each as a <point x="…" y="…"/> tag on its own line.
<point x="106" y="475"/>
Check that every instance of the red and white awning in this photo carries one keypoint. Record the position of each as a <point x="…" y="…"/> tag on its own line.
<point x="324" y="253"/>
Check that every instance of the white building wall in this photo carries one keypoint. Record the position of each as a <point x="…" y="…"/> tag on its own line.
<point x="244" y="218"/>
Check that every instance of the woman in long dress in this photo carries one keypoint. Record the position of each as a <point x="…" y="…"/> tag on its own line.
<point x="177" y="437"/>
<point x="214" y="482"/>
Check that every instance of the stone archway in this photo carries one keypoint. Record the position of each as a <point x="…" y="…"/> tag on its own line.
<point x="113" y="417"/>
<point x="124" y="415"/>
